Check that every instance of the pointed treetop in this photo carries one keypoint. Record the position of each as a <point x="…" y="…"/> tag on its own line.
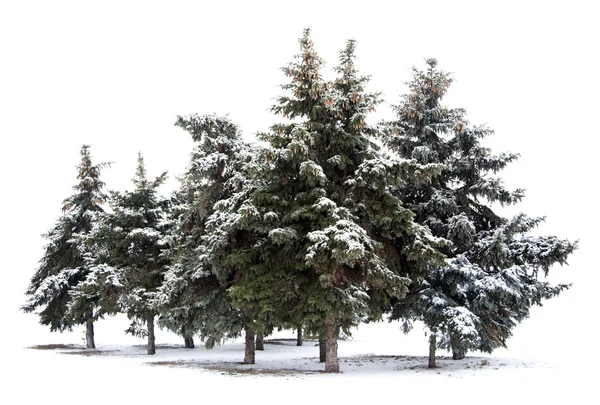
<point x="435" y="82"/>
<point x="88" y="189"/>
<point x="140" y="179"/>
<point x="306" y="86"/>
<point x="346" y="59"/>
<point x="305" y="42"/>
<point x="85" y="169"/>
<point x="347" y="55"/>
<point x="86" y="160"/>
<point x="352" y="103"/>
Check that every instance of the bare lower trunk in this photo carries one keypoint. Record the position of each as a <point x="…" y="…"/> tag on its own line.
<point x="332" y="363"/>
<point x="432" y="344"/>
<point x="189" y="342"/>
<point x="457" y="353"/>
<point x="260" y="341"/>
<point x="89" y="334"/>
<point x="322" y="350"/>
<point x="249" y="356"/>
<point x="299" y="336"/>
<point x="151" y="343"/>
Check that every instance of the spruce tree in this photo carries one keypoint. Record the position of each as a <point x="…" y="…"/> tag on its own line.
<point x="193" y="300"/>
<point x="230" y="248"/>
<point x="134" y="237"/>
<point x="319" y="220"/>
<point x="489" y="281"/>
<point x="65" y="263"/>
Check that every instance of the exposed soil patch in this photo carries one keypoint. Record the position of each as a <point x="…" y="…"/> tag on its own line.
<point x="57" y="347"/>
<point x="162" y="346"/>
<point x="79" y="350"/>
<point x="290" y="342"/>
<point x="91" y="352"/>
<point x="232" y="368"/>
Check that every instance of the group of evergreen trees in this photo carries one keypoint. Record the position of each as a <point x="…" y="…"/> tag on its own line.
<point x="331" y="222"/>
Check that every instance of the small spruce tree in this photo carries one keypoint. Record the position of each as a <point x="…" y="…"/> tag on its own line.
<point x="134" y="236"/>
<point x="65" y="263"/>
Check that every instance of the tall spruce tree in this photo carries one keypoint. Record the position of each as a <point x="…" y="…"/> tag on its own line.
<point x="192" y="298"/>
<point x="134" y="243"/>
<point x="230" y="251"/>
<point x="320" y="221"/>
<point x="490" y="279"/>
<point x="65" y="263"/>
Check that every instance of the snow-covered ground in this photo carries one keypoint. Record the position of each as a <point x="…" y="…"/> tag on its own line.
<point x="378" y="362"/>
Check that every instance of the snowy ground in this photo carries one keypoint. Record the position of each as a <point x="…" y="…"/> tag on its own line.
<point x="377" y="363"/>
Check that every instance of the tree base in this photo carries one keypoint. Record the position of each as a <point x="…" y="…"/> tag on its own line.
<point x="189" y="343"/>
<point x="432" y="347"/>
<point x="89" y="335"/>
<point x="249" y="354"/>
<point x="260" y="342"/>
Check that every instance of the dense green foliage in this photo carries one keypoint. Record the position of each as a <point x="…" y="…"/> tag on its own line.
<point x="490" y="281"/>
<point x="193" y="299"/>
<point x="65" y="263"/>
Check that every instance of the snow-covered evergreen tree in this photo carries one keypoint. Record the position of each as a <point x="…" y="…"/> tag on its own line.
<point x="490" y="279"/>
<point x="65" y="263"/>
<point x="173" y="315"/>
<point x="133" y="241"/>
<point x="193" y="300"/>
<point x="314" y="233"/>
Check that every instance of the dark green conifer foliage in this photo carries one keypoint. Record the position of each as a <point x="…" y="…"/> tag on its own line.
<point x="134" y="235"/>
<point x="193" y="299"/>
<point x="490" y="280"/>
<point x="64" y="263"/>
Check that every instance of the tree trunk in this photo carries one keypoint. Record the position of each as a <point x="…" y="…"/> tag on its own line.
<point x="89" y="334"/>
<point x="249" y="356"/>
<point x="151" y="344"/>
<point x="260" y="343"/>
<point x="432" y="344"/>
<point x="299" y="336"/>
<point x="332" y="363"/>
<point x="457" y="353"/>
<point x="189" y="342"/>
<point x="322" y="351"/>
